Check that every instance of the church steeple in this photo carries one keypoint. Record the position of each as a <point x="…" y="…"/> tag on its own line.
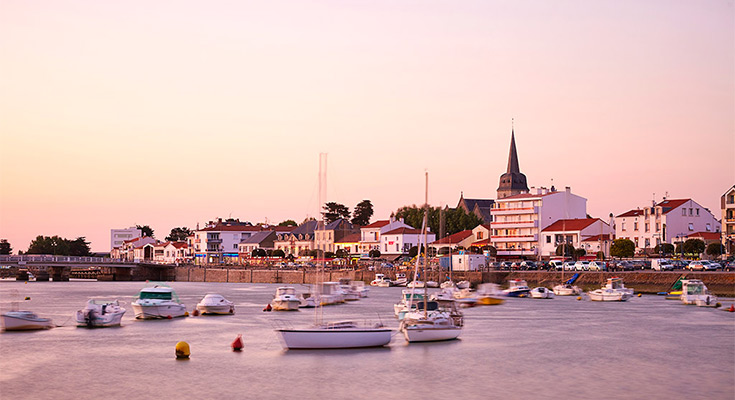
<point x="512" y="181"/>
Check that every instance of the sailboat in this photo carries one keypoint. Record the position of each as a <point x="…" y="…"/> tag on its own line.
<point x="432" y="320"/>
<point x="332" y="335"/>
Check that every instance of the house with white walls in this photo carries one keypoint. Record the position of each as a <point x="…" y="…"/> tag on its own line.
<point x="400" y="240"/>
<point x="370" y="234"/>
<point x="218" y="242"/>
<point x="574" y="232"/>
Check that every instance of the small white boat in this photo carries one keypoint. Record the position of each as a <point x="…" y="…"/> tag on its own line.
<point x="408" y="296"/>
<point x="517" y="288"/>
<point x="433" y="325"/>
<point x="694" y="291"/>
<point x="616" y="283"/>
<point x="348" y="294"/>
<point x="158" y="302"/>
<point x="400" y="280"/>
<point x="378" y="279"/>
<point x="329" y="293"/>
<point x="606" y="294"/>
<point x="285" y="299"/>
<point x="463" y="284"/>
<point x="24" y="321"/>
<point x="415" y="284"/>
<point x="432" y="284"/>
<point x="541" y="293"/>
<point x="447" y="285"/>
<point x="307" y="300"/>
<point x="567" y="289"/>
<point x="213" y="303"/>
<point x="360" y="288"/>
<point x="338" y="335"/>
<point x="98" y="314"/>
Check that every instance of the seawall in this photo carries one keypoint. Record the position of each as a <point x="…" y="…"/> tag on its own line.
<point x="720" y="283"/>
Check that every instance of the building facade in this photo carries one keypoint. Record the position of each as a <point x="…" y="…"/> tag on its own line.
<point x="576" y="232"/>
<point x="118" y="236"/>
<point x="399" y="241"/>
<point x="218" y="242"/>
<point x="727" y="203"/>
<point x="370" y="234"/>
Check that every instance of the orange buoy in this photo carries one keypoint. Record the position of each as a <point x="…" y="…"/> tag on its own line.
<point x="237" y="343"/>
<point x="268" y="307"/>
<point x="195" y="312"/>
<point x="732" y="308"/>
<point x="169" y="317"/>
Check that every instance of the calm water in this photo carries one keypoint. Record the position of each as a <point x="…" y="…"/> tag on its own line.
<point x="561" y="348"/>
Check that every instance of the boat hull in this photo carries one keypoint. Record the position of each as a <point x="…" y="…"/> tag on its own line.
<point x="285" y="305"/>
<point x="561" y="290"/>
<point x="489" y="301"/>
<point x="317" y="338"/>
<point x="517" y="293"/>
<point x="216" y="309"/>
<point x="158" y="311"/>
<point x="19" y="323"/>
<point x="620" y="296"/>
<point x="96" y="320"/>
<point x="430" y="334"/>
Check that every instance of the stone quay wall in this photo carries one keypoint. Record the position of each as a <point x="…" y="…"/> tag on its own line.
<point x="720" y="283"/>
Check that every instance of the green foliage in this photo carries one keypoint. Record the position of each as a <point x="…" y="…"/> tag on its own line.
<point x="715" y="249"/>
<point x="579" y="253"/>
<point x="328" y="254"/>
<point x="146" y="230"/>
<point x="622" y="248"/>
<point x="374" y="253"/>
<point x="258" y="253"/>
<point x="668" y="249"/>
<point x="278" y="253"/>
<point x="59" y="246"/>
<point x="491" y="249"/>
<point x="600" y="255"/>
<point x="178" y="234"/>
<point x="362" y="213"/>
<point x="288" y="222"/>
<point x="414" y="251"/>
<point x="334" y="211"/>
<point x="5" y="248"/>
<point x="565" y="249"/>
<point x="456" y="219"/>
<point x="694" y="246"/>
<point x="342" y="253"/>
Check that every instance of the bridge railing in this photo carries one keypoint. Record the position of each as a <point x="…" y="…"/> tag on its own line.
<point x="51" y="258"/>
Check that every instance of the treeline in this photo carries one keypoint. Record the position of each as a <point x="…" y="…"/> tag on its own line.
<point x="59" y="246"/>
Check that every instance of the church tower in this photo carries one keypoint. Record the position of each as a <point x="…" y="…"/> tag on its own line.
<point x="512" y="181"/>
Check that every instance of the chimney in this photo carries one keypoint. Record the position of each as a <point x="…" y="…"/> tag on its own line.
<point x="568" y="189"/>
<point x="402" y="220"/>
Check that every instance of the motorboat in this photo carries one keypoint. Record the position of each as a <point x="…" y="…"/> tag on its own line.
<point x="409" y="299"/>
<point x="517" y="288"/>
<point x="285" y="299"/>
<point x="100" y="314"/>
<point x="487" y="294"/>
<point x="378" y="279"/>
<point x="330" y="293"/>
<point x="307" y="300"/>
<point x="695" y="292"/>
<point x="360" y="288"/>
<point x="616" y="283"/>
<point x="336" y="335"/>
<point x="606" y="294"/>
<point x="385" y="282"/>
<point x="463" y="284"/>
<point x="416" y="284"/>
<point x="541" y="293"/>
<point x="25" y="321"/>
<point x="400" y="280"/>
<point x="213" y="303"/>
<point x="348" y="294"/>
<point x="432" y="284"/>
<point x="432" y="323"/>
<point x="568" y="288"/>
<point x="447" y="285"/>
<point x="158" y="302"/>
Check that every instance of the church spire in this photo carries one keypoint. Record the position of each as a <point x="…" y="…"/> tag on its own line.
<point x="512" y="181"/>
<point x="513" y="155"/>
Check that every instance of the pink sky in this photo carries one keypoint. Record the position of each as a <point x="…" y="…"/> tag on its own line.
<point x="170" y="113"/>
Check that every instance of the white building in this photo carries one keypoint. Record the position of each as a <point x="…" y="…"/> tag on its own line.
<point x="575" y="232"/>
<point x="370" y="234"/>
<point x="400" y="240"/>
<point x="170" y="252"/>
<point x="727" y="203"/>
<point x="518" y="219"/>
<point x="664" y="222"/>
<point x="118" y="236"/>
<point x="468" y="262"/>
<point x="218" y="243"/>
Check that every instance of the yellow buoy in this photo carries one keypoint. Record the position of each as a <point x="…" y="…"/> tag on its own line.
<point x="640" y="294"/>
<point x="186" y="313"/>
<point x="182" y="350"/>
<point x="579" y="297"/>
<point x="27" y="298"/>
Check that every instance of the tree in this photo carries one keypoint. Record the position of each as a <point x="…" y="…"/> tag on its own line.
<point x="600" y="255"/>
<point x="79" y="247"/>
<point x="178" y="234"/>
<point x="565" y="250"/>
<point x="146" y="230"/>
<point x="456" y="219"/>
<point x="579" y="253"/>
<point x="288" y="222"/>
<point x="258" y="253"/>
<point x="59" y="246"/>
<point x="694" y="246"/>
<point x="622" y="248"/>
<point x="362" y="213"/>
<point x="667" y="248"/>
<point x="714" y="249"/>
<point x="342" y="253"/>
<point x="334" y="211"/>
<point x="374" y="253"/>
<point x="5" y="248"/>
<point x="279" y="253"/>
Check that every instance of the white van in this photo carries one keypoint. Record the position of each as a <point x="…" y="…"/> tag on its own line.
<point x="662" y="264"/>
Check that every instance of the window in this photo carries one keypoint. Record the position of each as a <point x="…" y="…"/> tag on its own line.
<point x="548" y="238"/>
<point x="648" y="227"/>
<point x="691" y="212"/>
<point x="697" y="212"/>
<point x="658" y="226"/>
<point x="635" y="226"/>
<point x="683" y="212"/>
<point x="623" y="225"/>
<point x="386" y="248"/>
<point x="691" y="227"/>
<point x="479" y="235"/>
<point x="234" y="246"/>
<point x="708" y="227"/>
<point x="648" y="242"/>
<point x="396" y="246"/>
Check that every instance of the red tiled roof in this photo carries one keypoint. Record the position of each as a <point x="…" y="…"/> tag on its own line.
<point x="132" y="240"/>
<point x="596" y="238"/>
<point x="669" y="205"/>
<point x="179" y="245"/>
<point x="570" y="224"/>
<point x="456" y="238"/>
<point x="230" y="228"/>
<point x="280" y="229"/>
<point x="705" y="235"/>
<point x="631" y="213"/>
<point x="404" y="231"/>
<point x="352" y="238"/>
<point x="482" y="242"/>
<point x="377" y="224"/>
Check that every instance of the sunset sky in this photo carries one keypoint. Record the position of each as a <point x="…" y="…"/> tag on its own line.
<point x="173" y="113"/>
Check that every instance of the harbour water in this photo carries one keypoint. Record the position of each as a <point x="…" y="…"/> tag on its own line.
<point x="647" y="347"/>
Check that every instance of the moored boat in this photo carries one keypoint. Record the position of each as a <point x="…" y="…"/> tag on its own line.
<point x="517" y="288"/>
<point x="606" y="294"/>
<point x="213" y="303"/>
<point x="433" y="324"/>
<point x="99" y="314"/>
<point x="695" y="292"/>
<point x="25" y="321"/>
<point x="338" y="335"/>
<point x="158" y="302"/>
<point x="541" y="293"/>
<point x="285" y="299"/>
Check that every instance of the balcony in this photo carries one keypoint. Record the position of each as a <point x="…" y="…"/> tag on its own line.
<point x="516" y="252"/>
<point x="514" y="224"/>
<point x="514" y="211"/>
<point x="214" y="240"/>
<point x="518" y="238"/>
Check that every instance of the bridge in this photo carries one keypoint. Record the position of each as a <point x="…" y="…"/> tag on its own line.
<point x="61" y="268"/>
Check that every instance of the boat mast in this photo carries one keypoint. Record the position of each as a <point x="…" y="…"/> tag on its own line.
<point x="426" y="247"/>
<point x="321" y="195"/>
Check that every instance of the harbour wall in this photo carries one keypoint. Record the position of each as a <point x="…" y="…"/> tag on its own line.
<point x="720" y="283"/>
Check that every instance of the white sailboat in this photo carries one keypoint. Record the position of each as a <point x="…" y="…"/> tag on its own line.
<point x="432" y="320"/>
<point x="336" y="335"/>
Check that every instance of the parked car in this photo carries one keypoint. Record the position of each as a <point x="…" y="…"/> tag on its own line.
<point x="528" y="265"/>
<point x="569" y="266"/>
<point x="505" y="265"/>
<point x="582" y="265"/>
<point x="556" y="264"/>
<point x="696" y="266"/>
<point x="624" y="266"/>
<point x="597" y="266"/>
<point x="711" y="266"/>
<point x="679" y="264"/>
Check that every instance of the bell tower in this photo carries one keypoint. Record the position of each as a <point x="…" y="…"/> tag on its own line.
<point x="512" y="182"/>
